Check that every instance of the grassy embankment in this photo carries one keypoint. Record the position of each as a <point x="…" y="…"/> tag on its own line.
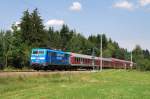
<point x="109" y="84"/>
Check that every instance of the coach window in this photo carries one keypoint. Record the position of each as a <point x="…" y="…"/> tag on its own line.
<point x="85" y="60"/>
<point x="88" y="60"/>
<point x="76" y="59"/>
<point x="81" y="59"/>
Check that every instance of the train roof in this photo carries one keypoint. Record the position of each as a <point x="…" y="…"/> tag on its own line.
<point x="89" y="57"/>
<point x="114" y="59"/>
<point x="50" y="50"/>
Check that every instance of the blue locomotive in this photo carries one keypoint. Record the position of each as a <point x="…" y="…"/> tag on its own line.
<point x="42" y="58"/>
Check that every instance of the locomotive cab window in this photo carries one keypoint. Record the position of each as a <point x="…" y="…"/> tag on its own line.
<point x="41" y="52"/>
<point x="35" y="52"/>
<point x="38" y="52"/>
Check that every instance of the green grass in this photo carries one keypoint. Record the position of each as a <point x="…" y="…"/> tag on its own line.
<point x="109" y="84"/>
<point x="11" y="68"/>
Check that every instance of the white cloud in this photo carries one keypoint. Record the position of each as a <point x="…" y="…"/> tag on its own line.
<point x="144" y="2"/>
<point x="123" y="5"/>
<point x="17" y="23"/>
<point x="76" y="6"/>
<point x="54" y="22"/>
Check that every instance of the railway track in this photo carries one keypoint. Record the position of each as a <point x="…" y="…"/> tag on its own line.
<point x="1" y="71"/>
<point x="24" y="71"/>
<point x="35" y="73"/>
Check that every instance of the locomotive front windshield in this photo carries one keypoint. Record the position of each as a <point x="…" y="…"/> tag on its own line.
<point x="38" y="52"/>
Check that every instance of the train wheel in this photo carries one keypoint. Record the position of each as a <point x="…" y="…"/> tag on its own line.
<point x="45" y="68"/>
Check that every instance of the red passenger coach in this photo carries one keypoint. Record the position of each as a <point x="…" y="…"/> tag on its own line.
<point x="80" y="60"/>
<point x="120" y="64"/>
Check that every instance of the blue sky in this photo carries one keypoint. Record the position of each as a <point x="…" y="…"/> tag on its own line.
<point x="125" y="21"/>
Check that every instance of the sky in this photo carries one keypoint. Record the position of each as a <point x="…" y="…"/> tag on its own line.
<point x="125" y="21"/>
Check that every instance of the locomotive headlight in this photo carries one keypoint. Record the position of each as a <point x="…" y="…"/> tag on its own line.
<point x="42" y="58"/>
<point x="33" y="58"/>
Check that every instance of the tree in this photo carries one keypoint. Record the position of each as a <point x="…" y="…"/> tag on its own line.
<point x="7" y="46"/>
<point x="66" y="36"/>
<point x="31" y="34"/>
<point x="26" y="28"/>
<point x="146" y="54"/>
<point x="75" y="44"/>
<point x="2" y="34"/>
<point x="108" y="52"/>
<point x="38" y="34"/>
<point x="32" y="29"/>
<point x="87" y="47"/>
<point x="119" y="53"/>
<point x="54" y="39"/>
<point x="93" y="39"/>
<point x="138" y="57"/>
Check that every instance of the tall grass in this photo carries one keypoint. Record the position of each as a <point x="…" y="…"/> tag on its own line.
<point x="110" y="84"/>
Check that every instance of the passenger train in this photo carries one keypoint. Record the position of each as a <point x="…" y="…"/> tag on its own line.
<point x="44" y="59"/>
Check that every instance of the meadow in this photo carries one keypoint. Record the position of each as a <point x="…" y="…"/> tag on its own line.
<point x="108" y="84"/>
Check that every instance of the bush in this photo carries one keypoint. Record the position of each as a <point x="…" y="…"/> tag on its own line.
<point x="1" y="66"/>
<point x="143" y="64"/>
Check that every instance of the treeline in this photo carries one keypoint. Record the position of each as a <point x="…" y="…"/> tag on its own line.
<point x="16" y="45"/>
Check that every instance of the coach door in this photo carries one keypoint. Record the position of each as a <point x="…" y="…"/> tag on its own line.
<point x="49" y="57"/>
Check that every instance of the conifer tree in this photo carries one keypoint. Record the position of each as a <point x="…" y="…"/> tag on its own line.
<point x="38" y="34"/>
<point x="26" y="27"/>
